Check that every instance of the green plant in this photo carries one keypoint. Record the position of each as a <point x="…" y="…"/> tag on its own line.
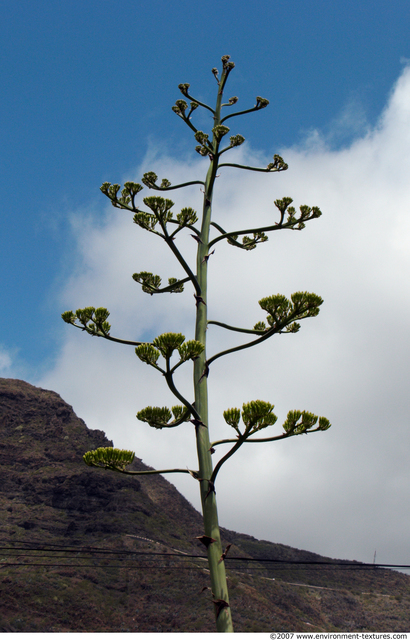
<point x="167" y="352"/>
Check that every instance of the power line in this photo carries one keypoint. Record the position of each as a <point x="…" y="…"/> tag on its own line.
<point x="88" y="550"/>
<point x="238" y="563"/>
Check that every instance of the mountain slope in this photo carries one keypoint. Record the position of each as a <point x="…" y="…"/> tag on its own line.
<point x="91" y="550"/>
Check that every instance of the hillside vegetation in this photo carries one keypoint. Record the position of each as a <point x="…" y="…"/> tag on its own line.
<point x="84" y="550"/>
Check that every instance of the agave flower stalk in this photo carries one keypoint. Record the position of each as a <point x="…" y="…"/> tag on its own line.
<point x="283" y="318"/>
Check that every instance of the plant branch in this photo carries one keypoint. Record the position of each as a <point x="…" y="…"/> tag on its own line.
<point x="178" y="186"/>
<point x="169" y="288"/>
<point x="242" y="166"/>
<point x="239" y="113"/>
<point x="171" y="385"/>
<point x="267" y="334"/>
<point x="188" y="95"/>
<point x="280" y="437"/>
<point x="283" y="436"/>
<point x="142" y="473"/>
<point x="238" y="443"/>
<point x="185" y="226"/>
<point x="170" y="242"/>
<point x="227" y="326"/>
<point x="228" y="235"/>
<point x="100" y="334"/>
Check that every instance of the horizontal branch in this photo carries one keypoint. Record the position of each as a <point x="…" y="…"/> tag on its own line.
<point x="241" y="440"/>
<point x="167" y="289"/>
<point x="282" y="436"/>
<point x="232" y="440"/>
<point x="100" y="334"/>
<point x="227" y="326"/>
<point x="201" y="104"/>
<point x="267" y="334"/>
<point x="178" y="186"/>
<point x="146" y="473"/>
<point x="242" y="166"/>
<point x="227" y="235"/>
<point x="240" y="113"/>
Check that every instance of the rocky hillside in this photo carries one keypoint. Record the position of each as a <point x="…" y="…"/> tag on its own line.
<point x="90" y="550"/>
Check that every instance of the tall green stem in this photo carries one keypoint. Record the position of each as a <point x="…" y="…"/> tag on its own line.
<point x="208" y="497"/>
<point x="256" y="415"/>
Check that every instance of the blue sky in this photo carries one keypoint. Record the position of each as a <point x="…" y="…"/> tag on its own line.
<point x="88" y="85"/>
<point x="87" y="95"/>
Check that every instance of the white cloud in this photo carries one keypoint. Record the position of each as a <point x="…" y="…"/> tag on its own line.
<point x="344" y="492"/>
<point x="5" y="361"/>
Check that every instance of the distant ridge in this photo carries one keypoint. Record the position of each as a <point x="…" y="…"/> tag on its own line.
<point x="56" y="512"/>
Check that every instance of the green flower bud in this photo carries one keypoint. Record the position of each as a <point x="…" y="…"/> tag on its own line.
<point x="182" y="105"/>
<point x="113" y="190"/>
<point x="228" y="66"/>
<point x="201" y="137"/>
<point x="304" y="302"/>
<point x="178" y="288"/>
<point x="293" y="328"/>
<point x="148" y="281"/>
<point x="232" y="417"/>
<point x="291" y="420"/>
<point x="147" y="353"/>
<point x="160" y="206"/>
<point x="85" y="315"/>
<point x="68" y="316"/>
<point x="187" y="216"/>
<point x="300" y="422"/>
<point x="250" y="243"/>
<point x="145" y="220"/>
<point x="157" y="417"/>
<point x="104" y="187"/>
<point x="257" y="415"/>
<point x="109" y="457"/>
<point x="132" y="188"/>
<point x="149" y="179"/>
<point x="110" y="190"/>
<point x="236" y="141"/>
<point x="283" y="204"/>
<point x="168" y="342"/>
<point x="101" y="314"/>
<point x="179" y="411"/>
<point x="324" y="424"/>
<point x="305" y="211"/>
<point x="184" y="89"/>
<point x="220" y="131"/>
<point x="190" y="350"/>
<point x="277" y="305"/>
<point x="278" y="164"/>
<point x="261" y="103"/>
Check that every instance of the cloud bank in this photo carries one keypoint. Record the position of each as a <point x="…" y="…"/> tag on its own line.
<point x="342" y="493"/>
